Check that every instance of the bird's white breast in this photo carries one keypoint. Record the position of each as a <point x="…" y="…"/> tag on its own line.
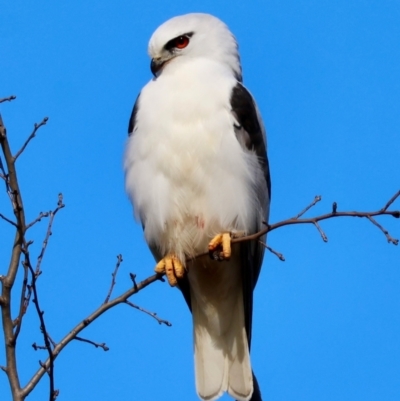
<point x="186" y="173"/>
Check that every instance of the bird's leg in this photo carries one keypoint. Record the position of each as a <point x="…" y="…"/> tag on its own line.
<point x="219" y="247"/>
<point x="172" y="267"/>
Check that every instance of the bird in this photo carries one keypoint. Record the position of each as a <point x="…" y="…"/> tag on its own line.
<point x="197" y="173"/>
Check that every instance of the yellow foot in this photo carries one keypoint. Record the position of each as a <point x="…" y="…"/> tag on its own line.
<point x="172" y="267"/>
<point x="220" y="246"/>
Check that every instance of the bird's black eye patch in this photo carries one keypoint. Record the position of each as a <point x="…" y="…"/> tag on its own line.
<point x="180" y="42"/>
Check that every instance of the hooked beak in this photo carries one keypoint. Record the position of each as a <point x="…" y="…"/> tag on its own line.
<point x="156" y="65"/>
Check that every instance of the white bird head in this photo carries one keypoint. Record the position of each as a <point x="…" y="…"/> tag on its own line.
<point x="194" y="35"/>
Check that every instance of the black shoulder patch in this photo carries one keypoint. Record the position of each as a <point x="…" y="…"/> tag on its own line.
<point x="244" y="109"/>
<point x="132" y="120"/>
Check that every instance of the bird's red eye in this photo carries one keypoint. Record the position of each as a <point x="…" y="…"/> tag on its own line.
<point x="181" y="42"/>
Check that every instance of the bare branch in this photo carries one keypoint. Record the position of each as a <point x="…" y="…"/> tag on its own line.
<point x="84" y="323"/>
<point x="388" y="236"/>
<point x="390" y="201"/>
<point x="30" y="137"/>
<point x="323" y="236"/>
<point x="43" y="329"/>
<point x="21" y="245"/>
<point x="39" y="218"/>
<point x="97" y="345"/>
<point x="158" y="277"/>
<point x="315" y="220"/>
<point x="8" y="99"/>
<point x="37" y="347"/>
<point x="53" y="343"/>
<point x="133" y="279"/>
<point x="4" y="174"/>
<point x="25" y="296"/>
<point x="53" y="213"/>
<point x="279" y="255"/>
<point x="313" y="203"/>
<point x="8" y="220"/>
<point x="152" y="314"/>
<point x="114" y="276"/>
<point x="23" y="303"/>
<point x="49" y="343"/>
<point x="7" y="282"/>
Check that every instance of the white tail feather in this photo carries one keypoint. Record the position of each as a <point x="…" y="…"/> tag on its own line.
<point x="222" y="360"/>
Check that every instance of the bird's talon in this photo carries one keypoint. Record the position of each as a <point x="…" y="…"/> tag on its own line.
<point x="219" y="247"/>
<point x="172" y="267"/>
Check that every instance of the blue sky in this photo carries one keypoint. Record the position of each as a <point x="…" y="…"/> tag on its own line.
<point x="326" y="78"/>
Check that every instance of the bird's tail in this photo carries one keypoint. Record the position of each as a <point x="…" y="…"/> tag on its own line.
<point x="222" y="360"/>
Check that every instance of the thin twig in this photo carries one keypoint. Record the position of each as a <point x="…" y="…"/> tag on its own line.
<point x="53" y="213"/>
<point x="279" y="255"/>
<point x="114" y="276"/>
<point x="4" y="175"/>
<point x="25" y="297"/>
<point x="387" y="235"/>
<point x="133" y="279"/>
<point x="43" y="329"/>
<point x="31" y="136"/>
<point x="53" y="343"/>
<point x="39" y="218"/>
<point x="313" y="203"/>
<point x="323" y="235"/>
<point x="391" y="200"/>
<point x="152" y="314"/>
<point x="8" y="220"/>
<point x="97" y="345"/>
<point x="8" y="99"/>
<point x="36" y="347"/>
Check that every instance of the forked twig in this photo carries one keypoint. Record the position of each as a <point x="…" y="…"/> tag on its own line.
<point x="97" y="345"/>
<point x="53" y="213"/>
<point x="39" y="218"/>
<point x="30" y="137"/>
<point x="334" y="213"/>
<point x="114" y="276"/>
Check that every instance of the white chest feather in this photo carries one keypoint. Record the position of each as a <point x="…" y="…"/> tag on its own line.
<point x="186" y="173"/>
